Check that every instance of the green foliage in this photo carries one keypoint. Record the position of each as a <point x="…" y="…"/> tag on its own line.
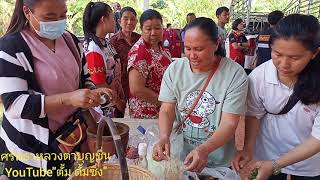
<point x="6" y="9"/>
<point x="173" y="11"/>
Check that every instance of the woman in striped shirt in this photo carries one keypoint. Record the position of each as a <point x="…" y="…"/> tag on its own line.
<point x="41" y="71"/>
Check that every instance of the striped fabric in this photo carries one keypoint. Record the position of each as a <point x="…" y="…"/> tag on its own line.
<point x="25" y="129"/>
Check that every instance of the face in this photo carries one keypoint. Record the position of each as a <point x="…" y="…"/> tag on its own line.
<point x="128" y="21"/>
<point x="190" y="18"/>
<point x="290" y="57"/>
<point x="199" y="49"/>
<point x="117" y="7"/>
<point x="241" y="26"/>
<point x="108" y="23"/>
<point x="152" y="31"/>
<point x="46" y="11"/>
<point x="224" y="17"/>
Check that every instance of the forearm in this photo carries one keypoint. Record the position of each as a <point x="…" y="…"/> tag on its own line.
<point x="252" y="126"/>
<point x="54" y="102"/>
<point x="166" y="119"/>
<point x="304" y="151"/>
<point x="147" y="95"/>
<point x="222" y="135"/>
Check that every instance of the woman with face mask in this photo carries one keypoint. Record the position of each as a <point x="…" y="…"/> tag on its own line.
<point x="104" y="64"/>
<point x="41" y="73"/>
<point x="147" y="61"/>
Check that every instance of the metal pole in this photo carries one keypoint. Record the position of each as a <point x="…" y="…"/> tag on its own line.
<point x="145" y="4"/>
<point x="248" y="12"/>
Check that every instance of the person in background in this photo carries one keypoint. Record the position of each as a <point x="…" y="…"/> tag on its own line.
<point x="103" y="61"/>
<point x="116" y="10"/>
<point x="123" y="41"/>
<point x="209" y="125"/>
<point x="168" y="37"/>
<point x="222" y="13"/>
<point x="238" y="42"/>
<point x="190" y="17"/>
<point x="283" y="120"/>
<point x="41" y="73"/>
<point x="263" y="39"/>
<point x="147" y="62"/>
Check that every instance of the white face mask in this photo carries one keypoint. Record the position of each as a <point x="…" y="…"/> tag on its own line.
<point x="50" y="30"/>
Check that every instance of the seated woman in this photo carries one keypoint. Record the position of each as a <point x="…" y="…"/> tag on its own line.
<point x="104" y="64"/>
<point x="283" y="120"/>
<point x="147" y="62"/>
<point x="41" y="71"/>
<point x="205" y="93"/>
<point x="238" y="42"/>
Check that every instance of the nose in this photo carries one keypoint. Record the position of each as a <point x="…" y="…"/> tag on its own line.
<point x="284" y="63"/>
<point x="153" y="32"/>
<point x="193" y="55"/>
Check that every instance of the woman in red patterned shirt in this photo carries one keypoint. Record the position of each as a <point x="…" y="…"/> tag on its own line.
<point x="147" y="62"/>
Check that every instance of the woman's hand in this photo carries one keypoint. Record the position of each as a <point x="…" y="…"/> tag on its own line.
<point x="161" y="150"/>
<point x="241" y="159"/>
<point x="106" y="91"/>
<point x="82" y="98"/>
<point x="265" y="170"/>
<point x="197" y="159"/>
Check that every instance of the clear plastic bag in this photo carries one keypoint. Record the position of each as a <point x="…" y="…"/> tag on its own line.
<point x="222" y="173"/>
<point x="165" y="170"/>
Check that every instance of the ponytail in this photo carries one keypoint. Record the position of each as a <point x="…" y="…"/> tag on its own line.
<point x="91" y="17"/>
<point x="308" y="86"/>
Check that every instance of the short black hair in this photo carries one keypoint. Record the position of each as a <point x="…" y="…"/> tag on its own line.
<point x="191" y="14"/>
<point x="125" y="9"/>
<point x="236" y="23"/>
<point x="209" y="28"/>
<point x="274" y="17"/>
<point x="168" y="25"/>
<point x="149" y="14"/>
<point x="220" y="10"/>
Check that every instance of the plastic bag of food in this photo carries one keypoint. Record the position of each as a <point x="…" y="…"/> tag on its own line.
<point x="172" y="168"/>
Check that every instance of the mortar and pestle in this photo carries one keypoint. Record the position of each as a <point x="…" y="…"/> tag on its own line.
<point x="112" y="138"/>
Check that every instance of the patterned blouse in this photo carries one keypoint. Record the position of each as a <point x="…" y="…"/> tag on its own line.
<point x="152" y="66"/>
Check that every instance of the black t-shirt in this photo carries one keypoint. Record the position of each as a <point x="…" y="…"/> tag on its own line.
<point x="264" y="49"/>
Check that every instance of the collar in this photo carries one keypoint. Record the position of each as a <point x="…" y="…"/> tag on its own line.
<point x="148" y="45"/>
<point x="270" y="73"/>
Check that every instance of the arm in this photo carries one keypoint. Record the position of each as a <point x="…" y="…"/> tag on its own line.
<point x="307" y="149"/>
<point x="166" y="118"/>
<point x="137" y="87"/>
<point x="161" y="150"/>
<point x="251" y="131"/>
<point x="240" y="46"/>
<point x="224" y="133"/>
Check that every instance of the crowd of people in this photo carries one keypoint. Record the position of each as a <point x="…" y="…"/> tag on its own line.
<point x="48" y="78"/>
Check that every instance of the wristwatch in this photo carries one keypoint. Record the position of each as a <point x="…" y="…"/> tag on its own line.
<point x="276" y="168"/>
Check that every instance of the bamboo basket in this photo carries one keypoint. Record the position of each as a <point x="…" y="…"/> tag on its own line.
<point x="114" y="171"/>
